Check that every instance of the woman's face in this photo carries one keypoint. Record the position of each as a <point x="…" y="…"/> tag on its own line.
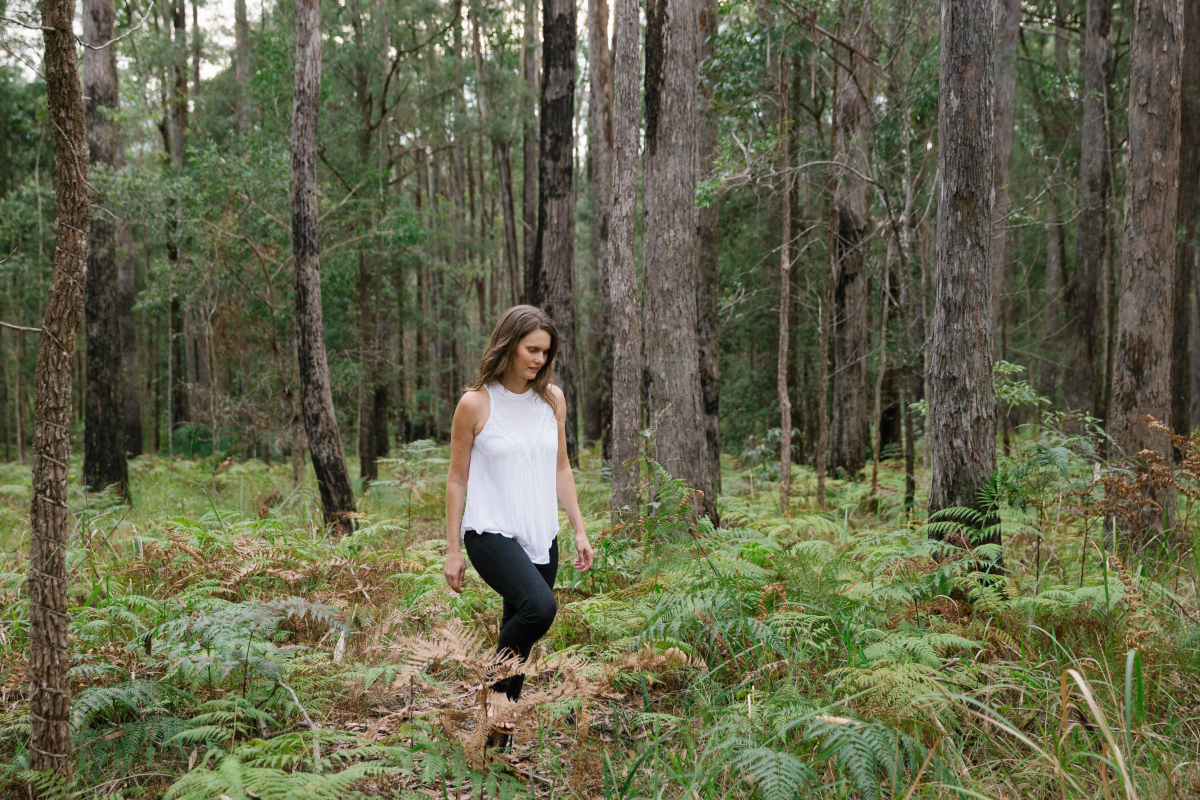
<point x="531" y="355"/>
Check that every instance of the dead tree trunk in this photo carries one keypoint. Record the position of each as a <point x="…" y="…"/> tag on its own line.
<point x="320" y="422"/>
<point x="708" y="286"/>
<point x="626" y="319"/>
<point x="670" y="250"/>
<point x="555" y="255"/>
<point x="104" y="420"/>
<point x="50" y="746"/>
<point x="1141" y="377"/>
<point x="962" y="401"/>
<point x="1189" y="178"/>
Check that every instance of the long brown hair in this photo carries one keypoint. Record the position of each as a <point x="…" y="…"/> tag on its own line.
<point x="514" y="325"/>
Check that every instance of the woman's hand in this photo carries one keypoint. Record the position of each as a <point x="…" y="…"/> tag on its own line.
<point x="583" y="552"/>
<point x="455" y="569"/>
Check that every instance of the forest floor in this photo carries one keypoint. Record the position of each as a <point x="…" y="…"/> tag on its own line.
<point x="225" y="646"/>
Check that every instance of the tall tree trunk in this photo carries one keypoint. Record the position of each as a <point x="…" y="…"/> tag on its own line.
<point x="784" y="345"/>
<point x="851" y="337"/>
<point x="626" y="319"/>
<point x="670" y="249"/>
<point x="1084" y="382"/>
<point x="884" y="305"/>
<point x="529" y="188"/>
<point x="50" y="746"/>
<point x="1141" y="378"/>
<point x="1189" y="178"/>
<point x="104" y="423"/>
<point x="241" y="61"/>
<point x="555" y="255"/>
<point x="708" y="286"/>
<point x="600" y="147"/>
<point x="320" y="422"/>
<point x="1008" y="28"/>
<point x="131" y="395"/>
<point x="962" y="401"/>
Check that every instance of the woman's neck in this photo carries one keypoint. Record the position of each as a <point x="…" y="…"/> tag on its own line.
<point x="515" y="383"/>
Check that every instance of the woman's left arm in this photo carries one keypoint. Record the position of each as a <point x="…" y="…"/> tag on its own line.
<point x="564" y="484"/>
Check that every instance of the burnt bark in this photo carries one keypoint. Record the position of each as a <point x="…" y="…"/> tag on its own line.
<point x="50" y="746"/>
<point x="1141" y="377"/>
<point x="320" y="422"/>
<point x="625" y="320"/>
<point x="1185" y="217"/>
<point x="555" y="254"/>
<point x="104" y="420"/>
<point x="670" y="250"/>
<point x="962" y="400"/>
<point x="708" y="285"/>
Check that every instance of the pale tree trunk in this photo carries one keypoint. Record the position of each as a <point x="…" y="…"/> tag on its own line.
<point x="555" y="255"/>
<point x="626" y="318"/>
<point x="852" y="197"/>
<point x="50" y="746"/>
<point x="320" y="423"/>
<point x="785" y="297"/>
<point x="529" y="187"/>
<point x="1141" y="377"/>
<point x="1189" y="173"/>
<point x="600" y="150"/>
<point x="1084" y="381"/>
<point x="962" y="399"/>
<point x="708" y="286"/>
<point x="1008" y="28"/>
<point x="104" y="420"/>
<point x="241" y="62"/>
<point x="670" y="249"/>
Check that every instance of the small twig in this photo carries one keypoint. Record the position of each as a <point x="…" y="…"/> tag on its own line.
<point x="10" y="326"/>
<point x="312" y="726"/>
<point x="141" y="22"/>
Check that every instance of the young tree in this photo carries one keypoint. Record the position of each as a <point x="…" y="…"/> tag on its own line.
<point x="625" y="318"/>
<point x="1141" y="379"/>
<point x="1084" y="382"/>
<point x="670" y="246"/>
<point x="320" y="422"/>
<point x="50" y="746"/>
<point x="104" y="419"/>
<point x="555" y="255"/>
<point x="962" y="401"/>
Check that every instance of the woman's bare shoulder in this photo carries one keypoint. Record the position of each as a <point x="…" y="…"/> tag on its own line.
<point x="474" y="403"/>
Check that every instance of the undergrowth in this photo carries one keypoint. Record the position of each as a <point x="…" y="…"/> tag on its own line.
<point x="225" y="645"/>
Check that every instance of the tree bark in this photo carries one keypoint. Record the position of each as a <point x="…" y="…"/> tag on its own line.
<point x="529" y="188"/>
<point x="555" y="254"/>
<point x="785" y="296"/>
<point x="50" y="746"/>
<point x="104" y="421"/>
<point x="1008" y="28"/>
<point x="1189" y="178"/>
<point x="670" y="249"/>
<point x="626" y="319"/>
<point x="320" y="422"/>
<point x="851" y="337"/>
<point x="241" y="62"/>
<point x="708" y="287"/>
<point x="600" y="147"/>
<point x="131" y="402"/>
<point x="1141" y="378"/>
<point x="962" y="401"/>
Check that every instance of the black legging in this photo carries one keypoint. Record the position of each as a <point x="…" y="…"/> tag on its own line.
<point x="527" y="589"/>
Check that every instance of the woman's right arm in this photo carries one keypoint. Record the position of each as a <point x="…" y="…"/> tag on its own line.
<point x="462" y="436"/>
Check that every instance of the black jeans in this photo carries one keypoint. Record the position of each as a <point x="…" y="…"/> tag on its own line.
<point x="527" y="589"/>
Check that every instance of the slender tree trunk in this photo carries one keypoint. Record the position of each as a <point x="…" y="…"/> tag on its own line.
<point x="324" y="440"/>
<point x="626" y="318"/>
<point x="241" y="61"/>
<point x="851" y="337"/>
<point x="823" y="326"/>
<point x="708" y="287"/>
<point x="512" y="259"/>
<point x="884" y="304"/>
<point x="1189" y="178"/>
<point x="1141" y="378"/>
<point x="670" y="249"/>
<point x="1008" y="28"/>
<point x="1084" y="382"/>
<point x="50" y="746"/>
<point x="529" y="187"/>
<point x="104" y="424"/>
<point x="600" y="147"/>
<point x="962" y="401"/>
<point x="131" y="396"/>
<point x="555" y="255"/>
<point x="785" y="297"/>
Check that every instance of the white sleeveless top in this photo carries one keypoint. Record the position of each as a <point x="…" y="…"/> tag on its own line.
<point x="511" y="486"/>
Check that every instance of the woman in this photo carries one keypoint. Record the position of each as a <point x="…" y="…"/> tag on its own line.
<point x="507" y="461"/>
